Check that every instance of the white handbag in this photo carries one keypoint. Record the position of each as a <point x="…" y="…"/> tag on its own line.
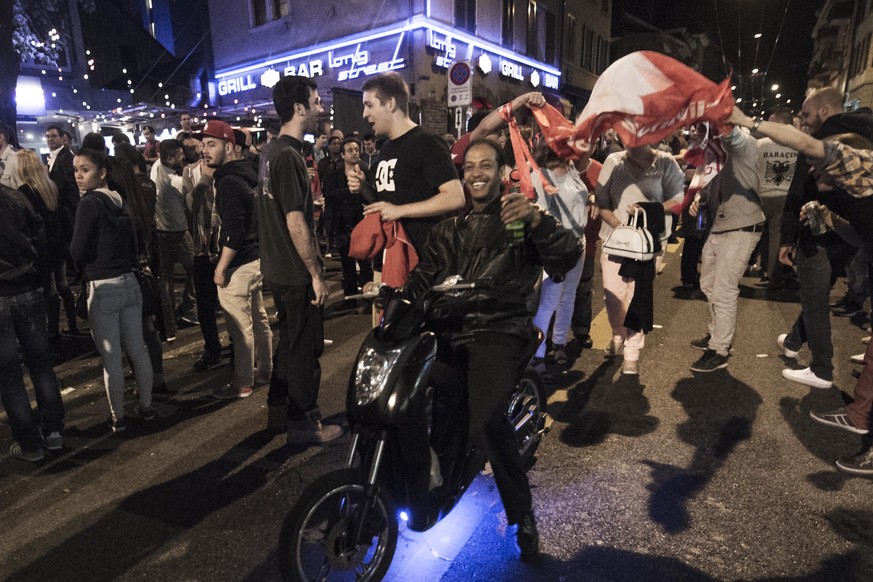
<point x="631" y="240"/>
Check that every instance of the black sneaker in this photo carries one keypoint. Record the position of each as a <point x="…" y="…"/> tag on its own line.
<point x="527" y="537"/>
<point x="19" y="452"/>
<point x="710" y="361"/>
<point x="117" y="424"/>
<point x="702" y="343"/>
<point x="207" y="361"/>
<point x="146" y="413"/>
<point x="849" y="309"/>
<point x="860" y="464"/>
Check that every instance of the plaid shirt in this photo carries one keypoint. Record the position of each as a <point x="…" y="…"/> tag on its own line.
<point x="852" y="169"/>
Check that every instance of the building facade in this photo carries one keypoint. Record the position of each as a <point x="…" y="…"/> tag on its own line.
<point x="834" y="45"/>
<point x="509" y="46"/>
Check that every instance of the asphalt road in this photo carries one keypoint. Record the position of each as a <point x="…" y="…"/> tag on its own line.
<point x="669" y="476"/>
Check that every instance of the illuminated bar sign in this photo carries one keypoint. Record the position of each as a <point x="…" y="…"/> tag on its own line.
<point x="378" y="51"/>
<point x="345" y="63"/>
<point x="447" y="49"/>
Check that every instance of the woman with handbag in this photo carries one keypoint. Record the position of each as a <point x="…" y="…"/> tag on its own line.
<point x="636" y="175"/>
<point x="124" y="181"/>
<point x="104" y="243"/>
<point x="570" y="206"/>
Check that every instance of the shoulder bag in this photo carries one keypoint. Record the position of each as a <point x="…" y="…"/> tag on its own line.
<point x="632" y="240"/>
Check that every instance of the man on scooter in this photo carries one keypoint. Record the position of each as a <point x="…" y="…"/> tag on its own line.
<point x="488" y="328"/>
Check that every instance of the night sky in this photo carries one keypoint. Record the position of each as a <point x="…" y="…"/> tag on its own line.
<point x="739" y="21"/>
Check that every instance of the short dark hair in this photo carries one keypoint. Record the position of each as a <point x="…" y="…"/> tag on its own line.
<point x="333" y="138"/>
<point x="289" y="91"/>
<point x="149" y="127"/>
<point x="168" y="147"/>
<point x="498" y="154"/>
<point x="183" y="135"/>
<point x="351" y="139"/>
<point x="120" y="138"/>
<point x="370" y="136"/>
<point x="56" y="127"/>
<point x="390" y="85"/>
<point x="783" y="114"/>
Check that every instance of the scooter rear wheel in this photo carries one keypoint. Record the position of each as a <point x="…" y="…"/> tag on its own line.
<point x="527" y="414"/>
<point x="317" y="540"/>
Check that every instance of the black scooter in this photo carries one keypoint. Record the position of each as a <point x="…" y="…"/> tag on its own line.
<point x="345" y="524"/>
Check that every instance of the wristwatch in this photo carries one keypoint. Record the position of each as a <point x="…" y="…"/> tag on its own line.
<point x="756" y="123"/>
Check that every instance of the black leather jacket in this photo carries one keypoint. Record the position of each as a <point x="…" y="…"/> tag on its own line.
<point x="475" y="247"/>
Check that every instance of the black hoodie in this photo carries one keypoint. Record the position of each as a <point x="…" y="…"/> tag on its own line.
<point x="235" y="183"/>
<point x="104" y="239"/>
<point x="803" y="188"/>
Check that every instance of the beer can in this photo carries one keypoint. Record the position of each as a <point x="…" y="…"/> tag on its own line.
<point x="814" y="218"/>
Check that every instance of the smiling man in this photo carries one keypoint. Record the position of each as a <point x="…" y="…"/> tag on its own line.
<point x="487" y="328"/>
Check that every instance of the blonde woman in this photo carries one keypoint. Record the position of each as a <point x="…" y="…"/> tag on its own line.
<point x="35" y="183"/>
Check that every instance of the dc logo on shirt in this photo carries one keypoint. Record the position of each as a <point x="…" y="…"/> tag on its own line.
<point x="385" y="176"/>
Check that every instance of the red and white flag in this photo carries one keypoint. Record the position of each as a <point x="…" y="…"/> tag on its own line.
<point x="645" y="96"/>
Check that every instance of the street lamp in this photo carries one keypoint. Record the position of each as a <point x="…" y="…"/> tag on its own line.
<point x="775" y="87"/>
<point x="758" y="35"/>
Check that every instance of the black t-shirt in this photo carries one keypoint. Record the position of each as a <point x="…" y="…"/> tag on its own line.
<point x="283" y="187"/>
<point x="412" y="168"/>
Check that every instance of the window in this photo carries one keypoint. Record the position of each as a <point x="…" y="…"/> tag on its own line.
<point x="465" y="15"/>
<point x="508" y="31"/>
<point x="531" y="28"/>
<point x="571" y="38"/>
<point x="589" y="49"/>
<point x="281" y="8"/>
<point x="259" y="12"/>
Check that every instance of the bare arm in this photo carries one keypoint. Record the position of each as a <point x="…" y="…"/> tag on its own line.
<point x="783" y="134"/>
<point x="493" y="122"/>
<point x="301" y="237"/>
<point x="449" y="198"/>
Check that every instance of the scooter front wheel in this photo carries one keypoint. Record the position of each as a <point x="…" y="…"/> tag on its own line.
<point x="334" y="533"/>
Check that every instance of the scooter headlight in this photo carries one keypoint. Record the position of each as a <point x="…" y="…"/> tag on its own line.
<point x="371" y="373"/>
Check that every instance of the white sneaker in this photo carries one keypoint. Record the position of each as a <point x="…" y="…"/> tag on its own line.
<point x="865" y="340"/>
<point x="780" y="340"/>
<point x="807" y="377"/>
<point x="857" y="359"/>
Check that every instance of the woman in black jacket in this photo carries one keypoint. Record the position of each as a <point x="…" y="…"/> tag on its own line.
<point x="43" y="195"/>
<point x="104" y="242"/>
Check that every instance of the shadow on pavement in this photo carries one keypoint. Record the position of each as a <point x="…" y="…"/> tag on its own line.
<point x="720" y="416"/>
<point x="148" y="519"/>
<point x="598" y="407"/>
<point x="856" y="565"/>
<point x="825" y="442"/>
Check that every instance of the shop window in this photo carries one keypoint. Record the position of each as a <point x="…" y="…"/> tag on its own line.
<point x="508" y="29"/>
<point x="281" y="8"/>
<point x="465" y="15"/>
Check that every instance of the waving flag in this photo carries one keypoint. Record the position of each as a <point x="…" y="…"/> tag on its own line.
<point x="645" y="96"/>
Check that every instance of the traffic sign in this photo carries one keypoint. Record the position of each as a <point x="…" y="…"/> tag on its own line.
<point x="460" y="84"/>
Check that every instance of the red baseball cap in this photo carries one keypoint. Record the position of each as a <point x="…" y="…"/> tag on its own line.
<point x="217" y="129"/>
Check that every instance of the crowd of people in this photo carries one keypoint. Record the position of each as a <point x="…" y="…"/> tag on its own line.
<point x="243" y="221"/>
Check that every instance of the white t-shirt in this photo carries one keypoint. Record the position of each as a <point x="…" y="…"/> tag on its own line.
<point x="620" y="184"/>
<point x="775" y="168"/>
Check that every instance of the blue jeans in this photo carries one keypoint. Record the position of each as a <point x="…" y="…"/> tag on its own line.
<point x="115" y="317"/>
<point x="22" y="323"/>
